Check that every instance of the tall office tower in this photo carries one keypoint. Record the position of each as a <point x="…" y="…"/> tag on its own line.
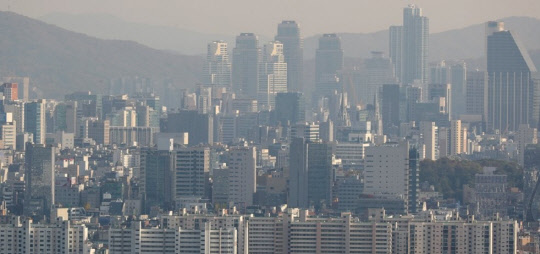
<point x="512" y="93"/>
<point x="328" y="63"/>
<point x="458" y="77"/>
<point x="39" y="174"/>
<point x="476" y="94"/>
<point x="298" y="173"/>
<point x="293" y="49"/>
<point x="428" y="130"/>
<point x="396" y="50"/>
<point x="199" y="126"/>
<point x="415" y="45"/>
<point x="443" y="139"/>
<point x="272" y="75"/>
<point x="245" y="66"/>
<point x="387" y="171"/>
<point x="242" y="166"/>
<point x="310" y="174"/>
<point x="217" y="69"/>
<point x="189" y="177"/>
<point x="390" y="108"/>
<point x="458" y="138"/>
<point x="157" y="174"/>
<point x="290" y="108"/>
<point x="379" y="71"/>
<point x="34" y="119"/>
<point x="65" y="116"/>
<point x="320" y="175"/>
<point x="10" y="91"/>
<point x="414" y="180"/>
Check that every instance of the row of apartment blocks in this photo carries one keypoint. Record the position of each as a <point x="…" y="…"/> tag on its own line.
<point x="24" y="236"/>
<point x="298" y="232"/>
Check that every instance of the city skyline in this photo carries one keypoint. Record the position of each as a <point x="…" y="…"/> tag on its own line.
<point x="302" y="11"/>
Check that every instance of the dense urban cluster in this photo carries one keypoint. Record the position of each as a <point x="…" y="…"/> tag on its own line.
<point x="253" y="161"/>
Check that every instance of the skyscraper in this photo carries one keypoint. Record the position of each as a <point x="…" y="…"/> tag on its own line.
<point x="39" y="173"/>
<point x="298" y="182"/>
<point x="512" y="93"/>
<point x="310" y="174"/>
<point x="245" y="67"/>
<point x="415" y="45"/>
<point x="34" y="118"/>
<point x="475" y="95"/>
<point x="157" y="174"/>
<point x="379" y="71"/>
<point x="328" y="62"/>
<point x="242" y="175"/>
<point x="217" y="69"/>
<point x="290" y="107"/>
<point x="293" y="49"/>
<point x="189" y="177"/>
<point x="272" y="75"/>
<point x="390" y="108"/>
<point x="395" y="50"/>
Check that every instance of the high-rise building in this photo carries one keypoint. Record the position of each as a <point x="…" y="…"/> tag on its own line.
<point x="328" y="63"/>
<point x="476" y="92"/>
<point x="310" y="181"/>
<point x="242" y="169"/>
<point x="428" y="130"/>
<point x="157" y="174"/>
<point x="378" y="71"/>
<point x="217" y="69"/>
<point x="97" y="130"/>
<point x="34" y="119"/>
<point x="458" y="138"/>
<point x="415" y="45"/>
<point x="396" y="49"/>
<point x="390" y="108"/>
<point x="245" y="67"/>
<point x="293" y="49"/>
<point x="290" y="108"/>
<point x="189" y="177"/>
<point x="23" y="85"/>
<point x="200" y="127"/>
<point x="65" y="117"/>
<point x="298" y="173"/>
<point x="272" y="75"/>
<point x="10" y="91"/>
<point x="388" y="173"/>
<point x="512" y="92"/>
<point x="458" y="77"/>
<point x="39" y="170"/>
<point x="319" y="175"/>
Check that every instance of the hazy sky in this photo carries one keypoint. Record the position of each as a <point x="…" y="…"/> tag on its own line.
<point x="315" y="16"/>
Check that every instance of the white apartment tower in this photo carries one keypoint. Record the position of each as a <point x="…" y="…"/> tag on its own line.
<point x="242" y="175"/>
<point x="272" y="75"/>
<point x="217" y="69"/>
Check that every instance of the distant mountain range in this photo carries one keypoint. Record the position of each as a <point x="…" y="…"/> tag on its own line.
<point x="464" y="43"/>
<point x="60" y="61"/>
<point x="458" y="44"/>
<point x="106" y="26"/>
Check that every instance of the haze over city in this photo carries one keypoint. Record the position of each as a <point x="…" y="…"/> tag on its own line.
<point x="288" y="127"/>
<point x="316" y="16"/>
